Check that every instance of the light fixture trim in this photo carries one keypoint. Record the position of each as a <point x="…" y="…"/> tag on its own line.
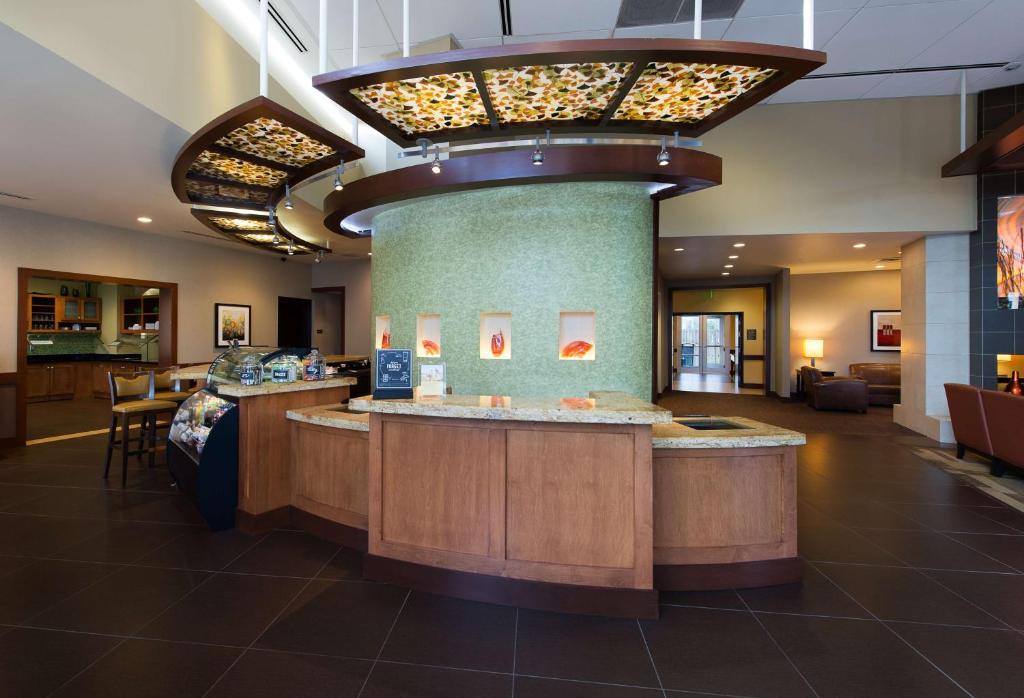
<point x="739" y="244"/>
<point x="734" y="256"/>
<point x="860" y="246"/>
<point x="144" y="219"/>
<point x="728" y="266"/>
<point x="679" y="249"/>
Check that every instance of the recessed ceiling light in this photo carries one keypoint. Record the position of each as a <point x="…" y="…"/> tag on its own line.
<point x="369" y="254"/>
<point x="144" y="219"/>
<point x="728" y="266"/>
<point x="725" y="273"/>
<point x="679" y="249"/>
<point x="879" y="266"/>
<point x="734" y="256"/>
<point x="739" y="244"/>
<point x="860" y="245"/>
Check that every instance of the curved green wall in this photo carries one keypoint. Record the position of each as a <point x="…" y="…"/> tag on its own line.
<point x="534" y="251"/>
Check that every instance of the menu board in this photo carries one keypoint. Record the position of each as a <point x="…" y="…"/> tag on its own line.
<point x="394" y="374"/>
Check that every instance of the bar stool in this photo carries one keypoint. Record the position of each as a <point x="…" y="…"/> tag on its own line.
<point x="132" y="397"/>
<point x="167" y="388"/>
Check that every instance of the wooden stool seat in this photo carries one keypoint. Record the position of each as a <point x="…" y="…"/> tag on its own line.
<point x="133" y="397"/>
<point x="172" y="395"/>
<point x="143" y="406"/>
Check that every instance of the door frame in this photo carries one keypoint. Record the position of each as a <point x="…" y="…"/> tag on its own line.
<point x="739" y="349"/>
<point x="341" y="324"/>
<point x="168" y="351"/>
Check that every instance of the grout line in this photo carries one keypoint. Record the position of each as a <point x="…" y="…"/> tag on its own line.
<point x="650" y="656"/>
<point x="515" y="651"/>
<point x="384" y="644"/>
<point x="777" y="645"/>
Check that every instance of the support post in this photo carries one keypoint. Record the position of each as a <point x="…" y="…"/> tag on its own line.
<point x="323" y="37"/>
<point x="963" y="110"/>
<point x="405" y="28"/>
<point x="355" y="33"/>
<point x="698" y="11"/>
<point x="264" y="7"/>
<point x="809" y="24"/>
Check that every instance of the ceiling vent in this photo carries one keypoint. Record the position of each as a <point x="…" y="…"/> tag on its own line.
<point x="642" y="13"/>
<point x="15" y="196"/>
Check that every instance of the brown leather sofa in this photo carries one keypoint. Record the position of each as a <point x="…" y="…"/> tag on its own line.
<point x="838" y="393"/>
<point x="970" y="429"/>
<point x="1004" y="415"/>
<point x="883" y="381"/>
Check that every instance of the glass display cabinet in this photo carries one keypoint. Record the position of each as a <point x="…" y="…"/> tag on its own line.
<point x="226" y="369"/>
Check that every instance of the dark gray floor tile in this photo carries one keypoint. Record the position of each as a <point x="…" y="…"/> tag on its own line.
<point x="725" y="598"/>
<point x="931" y="550"/>
<point x="346" y="564"/>
<point x="286" y="554"/>
<point x="532" y="687"/>
<point x="950" y="518"/>
<point x="153" y="669"/>
<point x="408" y="681"/>
<point x="814" y="595"/>
<point x="36" y="662"/>
<point x="856" y="658"/>
<point x="1008" y="550"/>
<point x="123" y="602"/>
<point x="11" y="496"/>
<point x="230" y="609"/>
<point x="121" y="543"/>
<point x="349" y="619"/>
<point x="35" y="588"/>
<point x="714" y="651"/>
<point x="273" y="674"/>
<point x="588" y="648"/>
<point x="41" y="536"/>
<point x="448" y="632"/>
<point x="840" y="544"/>
<point x="1000" y="594"/>
<point x="201" y="549"/>
<point x="12" y="563"/>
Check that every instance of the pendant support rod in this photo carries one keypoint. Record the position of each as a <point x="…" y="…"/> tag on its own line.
<point x="323" y="37"/>
<point x="405" y="28"/>
<point x="809" y="24"/>
<point x="698" y="12"/>
<point x="963" y="110"/>
<point x="264" y="13"/>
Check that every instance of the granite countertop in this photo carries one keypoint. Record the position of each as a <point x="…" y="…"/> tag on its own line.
<point x="599" y="408"/>
<point x="759" y="435"/>
<point x="332" y="416"/>
<point x="268" y="388"/>
<point x="191" y="373"/>
<point x="344" y="358"/>
<point x="70" y="358"/>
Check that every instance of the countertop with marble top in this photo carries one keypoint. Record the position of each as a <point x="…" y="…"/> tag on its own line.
<point x="599" y="408"/>
<point x="269" y="388"/>
<point x="336" y="415"/>
<point x="753" y="435"/>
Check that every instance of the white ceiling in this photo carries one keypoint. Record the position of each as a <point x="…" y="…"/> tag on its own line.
<point x="765" y="255"/>
<point x="858" y="35"/>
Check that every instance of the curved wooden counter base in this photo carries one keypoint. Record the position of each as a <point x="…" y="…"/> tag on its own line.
<point x="733" y="575"/>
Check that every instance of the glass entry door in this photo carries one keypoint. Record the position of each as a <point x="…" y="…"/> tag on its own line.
<point x="714" y="343"/>
<point x="703" y="345"/>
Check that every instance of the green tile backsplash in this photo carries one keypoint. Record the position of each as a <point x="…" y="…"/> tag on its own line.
<point x="533" y="251"/>
<point x="66" y="344"/>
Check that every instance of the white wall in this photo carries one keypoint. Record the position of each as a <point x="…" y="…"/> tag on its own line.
<point x="857" y="166"/>
<point x="205" y="274"/>
<point x="837" y="308"/>
<point x="354" y="275"/>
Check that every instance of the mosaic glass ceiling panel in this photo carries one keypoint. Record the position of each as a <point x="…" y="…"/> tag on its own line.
<point x="223" y="193"/>
<point x="214" y="164"/>
<point x="547" y="92"/>
<point x="687" y="92"/>
<point x="432" y="103"/>
<point x="254" y="224"/>
<point x="271" y="140"/>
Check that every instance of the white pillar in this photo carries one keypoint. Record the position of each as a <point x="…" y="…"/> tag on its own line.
<point x="355" y="33"/>
<point x="698" y="11"/>
<point x="323" y="37"/>
<point x="405" y="28"/>
<point x="809" y="24"/>
<point x="264" y="5"/>
<point x="963" y="110"/>
<point x="935" y="299"/>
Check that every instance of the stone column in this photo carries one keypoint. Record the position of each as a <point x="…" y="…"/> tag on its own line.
<point x="934" y="289"/>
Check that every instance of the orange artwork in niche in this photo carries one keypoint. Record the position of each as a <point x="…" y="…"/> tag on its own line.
<point x="431" y="348"/>
<point x="498" y="343"/>
<point x="577" y="349"/>
<point x="385" y="340"/>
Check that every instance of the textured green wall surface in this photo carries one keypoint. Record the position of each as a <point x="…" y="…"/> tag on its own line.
<point x="534" y="251"/>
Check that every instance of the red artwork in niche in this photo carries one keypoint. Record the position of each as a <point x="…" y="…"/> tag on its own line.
<point x="498" y="344"/>
<point x="431" y="348"/>
<point x="576" y="350"/>
<point x="385" y="340"/>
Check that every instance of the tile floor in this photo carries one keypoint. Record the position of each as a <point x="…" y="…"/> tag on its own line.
<point x="914" y="587"/>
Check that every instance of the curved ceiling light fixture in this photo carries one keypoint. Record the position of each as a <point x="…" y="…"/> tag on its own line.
<point x="257" y="229"/>
<point x="654" y="86"/>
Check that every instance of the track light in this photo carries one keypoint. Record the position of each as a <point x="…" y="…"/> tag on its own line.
<point x="288" y="197"/>
<point x="318" y="257"/>
<point x="435" y="167"/>
<point x="277" y="236"/>
<point x="664" y="157"/>
<point x="538" y="154"/>
<point x="338" y="186"/>
<point x="291" y="247"/>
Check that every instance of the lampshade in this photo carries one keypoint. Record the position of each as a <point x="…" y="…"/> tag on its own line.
<point x="1003" y="357"/>
<point x="814" y="348"/>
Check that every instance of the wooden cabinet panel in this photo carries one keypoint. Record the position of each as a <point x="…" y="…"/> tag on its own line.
<point x="435" y="487"/>
<point x="37" y="385"/>
<point x="62" y="380"/>
<point x="330" y="471"/>
<point x="69" y="309"/>
<point x="570" y="497"/>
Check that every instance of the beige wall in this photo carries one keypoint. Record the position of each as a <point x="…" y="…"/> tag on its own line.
<point x="837" y="308"/>
<point x="857" y="166"/>
<point x="354" y="275"/>
<point x="326" y="322"/>
<point x="749" y="301"/>
<point x="205" y="274"/>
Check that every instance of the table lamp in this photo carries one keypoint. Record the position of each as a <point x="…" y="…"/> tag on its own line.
<point x="814" y="349"/>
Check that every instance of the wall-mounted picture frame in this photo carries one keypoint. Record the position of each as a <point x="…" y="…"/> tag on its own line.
<point x="232" y="322"/>
<point x="886" y="330"/>
<point x="1010" y="252"/>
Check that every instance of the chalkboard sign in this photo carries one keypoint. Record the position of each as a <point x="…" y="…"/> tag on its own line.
<point x="394" y="374"/>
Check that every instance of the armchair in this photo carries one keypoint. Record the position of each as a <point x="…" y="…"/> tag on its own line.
<point x="839" y="393"/>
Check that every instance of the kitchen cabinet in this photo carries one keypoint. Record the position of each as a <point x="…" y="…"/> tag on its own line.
<point x="83" y="312"/>
<point x="100" y="386"/>
<point x="51" y="382"/>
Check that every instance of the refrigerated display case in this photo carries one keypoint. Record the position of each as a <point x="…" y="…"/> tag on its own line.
<point x="226" y="368"/>
<point x="202" y="456"/>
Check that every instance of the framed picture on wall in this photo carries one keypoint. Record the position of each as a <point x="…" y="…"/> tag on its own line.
<point x="230" y="323"/>
<point x="886" y="332"/>
<point x="1010" y="252"/>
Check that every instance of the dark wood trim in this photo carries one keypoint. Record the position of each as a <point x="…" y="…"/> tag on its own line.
<point x="1001" y="150"/>
<point x="204" y="215"/>
<point x="258" y="524"/>
<point x="623" y="91"/>
<point x="250" y="158"/>
<point x="790" y="63"/>
<point x="341" y="327"/>
<point x="349" y="536"/>
<point x="168" y="355"/>
<point x="542" y="596"/>
<point x="690" y="170"/>
<point x="11" y="379"/>
<point x="754" y="357"/>
<point x="210" y="179"/>
<point x="485" y="99"/>
<point x="735" y="575"/>
<point x="656" y="225"/>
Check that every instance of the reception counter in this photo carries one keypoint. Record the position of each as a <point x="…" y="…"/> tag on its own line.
<point x="587" y="505"/>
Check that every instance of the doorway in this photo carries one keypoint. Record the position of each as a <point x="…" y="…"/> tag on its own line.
<point x="294" y="322"/>
<point x="329" y="319"/>
<point x="708" y="353"/>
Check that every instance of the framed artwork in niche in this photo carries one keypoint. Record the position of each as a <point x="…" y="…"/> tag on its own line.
<point x="1010" y="252"/>
<point x="232" y="323"/>
<point x="886" y="330"/>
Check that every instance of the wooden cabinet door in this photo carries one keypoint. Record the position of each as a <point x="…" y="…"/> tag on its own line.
<point x="62" y="380"/>
<point x="37" y="386"/>
<point x="91" y="309"/>
<point x="100" y="386"/>
<point x="70" y="309"/>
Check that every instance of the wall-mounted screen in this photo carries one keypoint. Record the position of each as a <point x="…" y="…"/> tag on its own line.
<point x="1010" y="252"/>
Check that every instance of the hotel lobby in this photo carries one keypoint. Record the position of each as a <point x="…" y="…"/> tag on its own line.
<point x="601" y="348"/>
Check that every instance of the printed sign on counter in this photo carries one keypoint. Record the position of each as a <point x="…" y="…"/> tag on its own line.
<point x="394" y="374"/>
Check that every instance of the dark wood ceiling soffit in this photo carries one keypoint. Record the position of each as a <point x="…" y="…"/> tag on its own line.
<point x="1001" y="150"/>
<point x="617" y="86"/>
<point x="254" y="229"/>
<point x="688" y="171"/>
<point x="245" y="157"/>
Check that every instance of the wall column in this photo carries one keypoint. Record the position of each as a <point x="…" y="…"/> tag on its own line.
<point x="934" y="293"/>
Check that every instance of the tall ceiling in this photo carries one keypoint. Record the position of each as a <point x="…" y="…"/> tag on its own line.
<point x="859" y="35"/>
